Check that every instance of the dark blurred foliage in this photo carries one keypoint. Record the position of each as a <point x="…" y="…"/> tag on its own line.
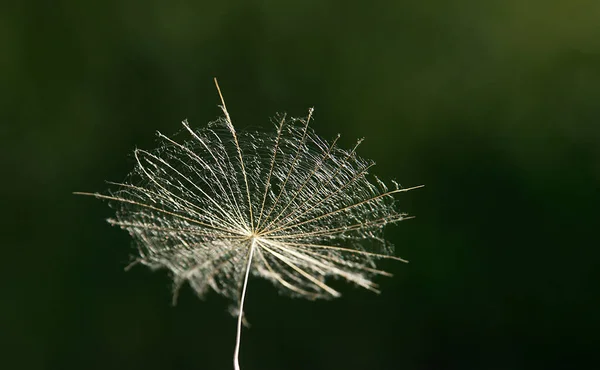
<point x="493" y="105"/>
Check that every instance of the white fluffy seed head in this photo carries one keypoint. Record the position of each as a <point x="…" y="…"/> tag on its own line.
<point x="287" y="206"/>
<point x="196" y="205"/>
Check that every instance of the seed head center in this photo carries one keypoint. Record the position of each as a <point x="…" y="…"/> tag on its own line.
<point x="253" y="236"/>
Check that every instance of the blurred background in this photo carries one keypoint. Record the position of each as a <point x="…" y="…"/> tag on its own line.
<point x="493" y="105"/>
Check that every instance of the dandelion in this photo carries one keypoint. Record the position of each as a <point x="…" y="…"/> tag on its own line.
<point x="289" y="207"/>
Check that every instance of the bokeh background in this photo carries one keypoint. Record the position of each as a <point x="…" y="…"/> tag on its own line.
<point x="493" y="105"/>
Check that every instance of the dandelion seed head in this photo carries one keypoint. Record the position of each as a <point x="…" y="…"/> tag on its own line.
<point x="214" y="206"/>
<point x="315" y="212"/>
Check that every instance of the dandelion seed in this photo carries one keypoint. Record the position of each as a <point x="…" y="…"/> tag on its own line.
<point x="289" y="207"/>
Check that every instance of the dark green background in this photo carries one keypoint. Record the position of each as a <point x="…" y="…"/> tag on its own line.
<point x="493" y="105"/>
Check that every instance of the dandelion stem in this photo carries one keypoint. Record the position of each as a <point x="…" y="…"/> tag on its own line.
<point x="236" y="354"/>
